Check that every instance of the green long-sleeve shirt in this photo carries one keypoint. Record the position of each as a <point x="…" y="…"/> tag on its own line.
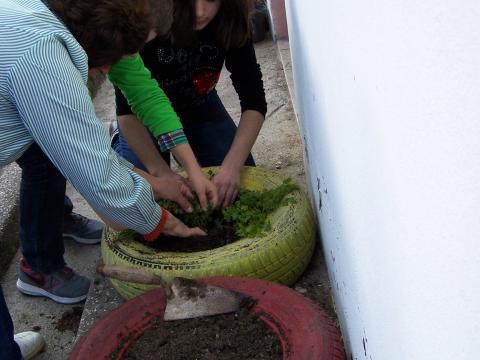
<point x="147" y="100"/>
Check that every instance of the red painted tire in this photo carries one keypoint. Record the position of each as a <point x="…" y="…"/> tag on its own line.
<point x="305" y="332"/>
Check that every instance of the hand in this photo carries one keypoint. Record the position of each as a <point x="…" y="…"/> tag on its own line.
<point x="227" y="181"/>
<point x="170" y="187"/>
<point x="175" y="227"/>
<point x="205" y="189"/>
<point x="173" y="187"/>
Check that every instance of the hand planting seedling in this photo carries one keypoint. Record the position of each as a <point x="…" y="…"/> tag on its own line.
<point x="248" y="215"/>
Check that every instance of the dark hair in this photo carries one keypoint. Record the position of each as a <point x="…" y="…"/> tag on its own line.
<point x="231" y="25"/>
<point x="107" y="29"/>
<point x="163" y="10"/>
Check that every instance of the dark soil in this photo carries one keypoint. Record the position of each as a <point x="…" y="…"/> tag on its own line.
<point x="217" y="236"/>
<point x="70" y="319"/>
<point x="236" y="336"/>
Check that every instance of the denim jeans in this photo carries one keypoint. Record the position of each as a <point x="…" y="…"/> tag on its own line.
<point x="42" y="208"/>
<point x="8" y="347"/>
<point x="209" y="129"/>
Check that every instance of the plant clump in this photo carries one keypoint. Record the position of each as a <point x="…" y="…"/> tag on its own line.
<point x="248" y="215"/>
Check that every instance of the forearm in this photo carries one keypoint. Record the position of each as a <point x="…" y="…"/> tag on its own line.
<point x="203" y="187"/>
<point x="152" y="180"/>
<point x="116" y="193"/>
<point x="141" y="143"/>
<point x="111" y="224"/>
<point x="184" y="154"/>
<point x="61" y="119"/>
<point x="249" y="127"/>
<point x="146" y="99"/>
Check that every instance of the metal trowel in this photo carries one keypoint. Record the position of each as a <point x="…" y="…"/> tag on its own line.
<point x="185" y="298"/>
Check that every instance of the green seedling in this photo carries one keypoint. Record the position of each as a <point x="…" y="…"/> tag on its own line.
<point x="248" y="214"/>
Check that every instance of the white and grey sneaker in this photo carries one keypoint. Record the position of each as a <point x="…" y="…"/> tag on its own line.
<point x="81" y="229"/>
<point x="30" y="343"/>
<point x="63" y="286"/>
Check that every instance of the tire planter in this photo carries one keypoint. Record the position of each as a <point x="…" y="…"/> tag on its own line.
<point x="304" y="331"/>
<point x="282" y="255"/>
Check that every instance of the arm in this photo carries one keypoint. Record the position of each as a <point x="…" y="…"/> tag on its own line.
<point x="249" y="127"/>
<point x="205" y="189"/>
<point x="169" y="188"/>
<point x="150" y="104"/>
<point x="247" y="80"/>
<point x="227" y="178"/>
<point x="58" y="113"/>
<point x="141" y="143"/>
<point x="146" y="99"/>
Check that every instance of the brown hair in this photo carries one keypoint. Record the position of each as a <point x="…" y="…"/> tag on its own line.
<point x="232" y="24"/>
<point x="107" y="29"/>
<point x="163" y="10"/>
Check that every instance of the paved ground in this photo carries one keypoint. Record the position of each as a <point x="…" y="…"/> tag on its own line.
<point x="9" y="187"/>
<point x="278" y="147"/>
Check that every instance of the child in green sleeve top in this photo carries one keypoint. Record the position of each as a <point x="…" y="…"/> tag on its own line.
<point x="186" y="65"/>
<point x="149" y="101"/>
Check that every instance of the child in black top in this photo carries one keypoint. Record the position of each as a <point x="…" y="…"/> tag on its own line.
<point x="206" y="34"/>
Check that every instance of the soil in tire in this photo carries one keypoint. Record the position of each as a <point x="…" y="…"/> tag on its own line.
<point x="217" y="236"/>
<point x="236" y="336"/>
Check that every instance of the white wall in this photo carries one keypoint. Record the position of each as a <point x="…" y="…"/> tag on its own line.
<point x="388" y="100"/>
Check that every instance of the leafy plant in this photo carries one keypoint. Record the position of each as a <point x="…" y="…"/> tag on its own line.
<point x="204" y="219"/>
<point x="248" y="214"/>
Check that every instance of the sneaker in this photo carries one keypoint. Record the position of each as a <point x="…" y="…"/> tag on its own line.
<point x="83" y="230"/>
<point x="30" y="343"/>
<point x="63" y="286"/>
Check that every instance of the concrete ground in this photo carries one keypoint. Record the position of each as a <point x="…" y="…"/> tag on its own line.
<point x="278" y="147"/>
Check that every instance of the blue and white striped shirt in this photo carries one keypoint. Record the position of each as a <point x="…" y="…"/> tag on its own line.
<point x="44" y="99"/>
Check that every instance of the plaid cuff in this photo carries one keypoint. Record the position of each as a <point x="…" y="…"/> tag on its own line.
<point x="171" y="139"/>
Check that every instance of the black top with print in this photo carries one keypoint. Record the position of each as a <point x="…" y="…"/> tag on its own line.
<point x="188" y="75"/>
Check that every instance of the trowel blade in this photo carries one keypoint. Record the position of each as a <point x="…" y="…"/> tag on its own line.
<point x="190" y="299"/>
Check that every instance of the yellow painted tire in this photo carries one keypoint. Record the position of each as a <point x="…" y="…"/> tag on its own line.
<point x="281" y="255"/>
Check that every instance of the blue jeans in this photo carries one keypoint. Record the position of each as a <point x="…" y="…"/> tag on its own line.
<point x="8" y="347"/>
<point x="209" y="129"/>
<point x="43" y="205"/>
